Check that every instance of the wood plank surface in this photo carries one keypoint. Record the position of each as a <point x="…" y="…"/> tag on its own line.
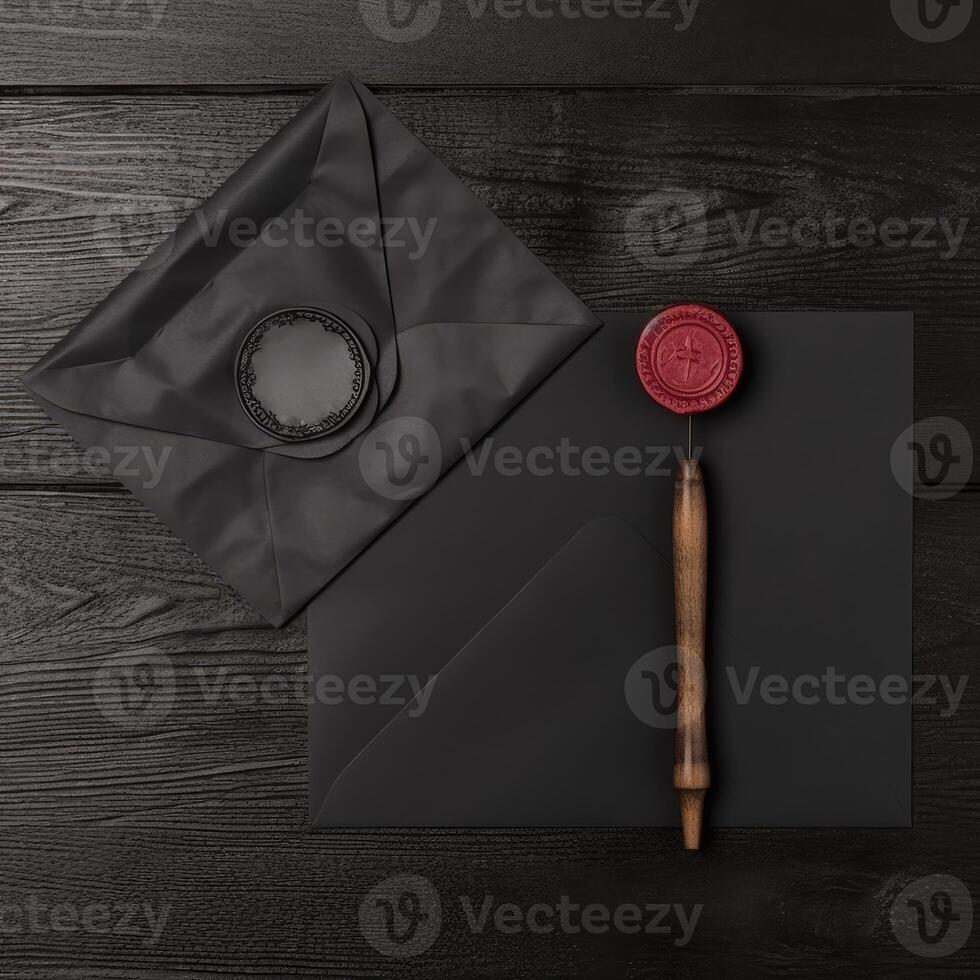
<point x="771" y="904"/>
<point x="490" y="42"/>
<point x="88" y="186"/>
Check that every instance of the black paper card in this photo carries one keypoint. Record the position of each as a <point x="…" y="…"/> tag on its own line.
<point x="533" y="583"/>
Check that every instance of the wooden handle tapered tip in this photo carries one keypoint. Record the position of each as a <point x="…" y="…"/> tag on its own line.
<point x="692" y="816"/>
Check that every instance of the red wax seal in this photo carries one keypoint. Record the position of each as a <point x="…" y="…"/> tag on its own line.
<point x="689" y="359"/>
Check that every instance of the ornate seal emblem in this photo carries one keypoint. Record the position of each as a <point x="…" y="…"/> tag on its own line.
<point x="689" y="359"/>
<point x="302" y="373"/>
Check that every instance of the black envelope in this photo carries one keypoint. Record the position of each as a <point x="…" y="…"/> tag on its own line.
<point x="502" y="655"/>
<point x="431" y="340"/>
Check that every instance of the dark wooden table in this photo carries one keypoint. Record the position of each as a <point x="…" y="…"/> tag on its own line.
<point x="116" y="119"/>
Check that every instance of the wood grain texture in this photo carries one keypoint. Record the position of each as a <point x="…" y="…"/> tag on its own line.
<point x="587" y="179"/>
<point x="773" y="903"/>
<point x="438" y="42"/>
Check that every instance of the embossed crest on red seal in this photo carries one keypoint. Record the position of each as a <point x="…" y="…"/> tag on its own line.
<point x="689" y="359"/>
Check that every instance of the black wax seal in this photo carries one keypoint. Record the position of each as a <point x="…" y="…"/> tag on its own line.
<point x="302" y="373"/>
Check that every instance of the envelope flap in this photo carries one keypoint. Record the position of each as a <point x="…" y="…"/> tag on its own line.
<point x="532" y="714"/>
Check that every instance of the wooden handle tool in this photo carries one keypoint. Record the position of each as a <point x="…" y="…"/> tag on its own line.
<point x="692" y="775"/>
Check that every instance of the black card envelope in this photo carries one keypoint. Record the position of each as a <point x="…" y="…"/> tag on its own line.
<point x="502" y="656"/>
<point x="377" y="299"/>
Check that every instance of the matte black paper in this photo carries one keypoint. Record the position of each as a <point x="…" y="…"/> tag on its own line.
<point x="533" y="583"/>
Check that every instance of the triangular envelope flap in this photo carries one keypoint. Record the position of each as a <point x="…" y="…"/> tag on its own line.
<point x="484" y="272"/>
<point x="183" y="378"/>
<point x="531" y="718"/>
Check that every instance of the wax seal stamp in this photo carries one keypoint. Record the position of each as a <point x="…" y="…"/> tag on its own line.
<point x="689" y="359"/>
<point x="302" y="373"/>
